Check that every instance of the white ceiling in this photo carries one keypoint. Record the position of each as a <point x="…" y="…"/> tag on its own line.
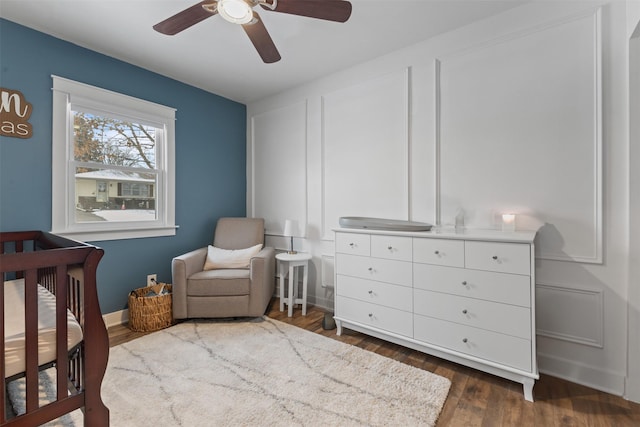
<point x="218" y="57"/>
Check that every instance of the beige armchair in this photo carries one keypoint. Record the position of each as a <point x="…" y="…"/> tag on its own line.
<point x="227" y="292"/>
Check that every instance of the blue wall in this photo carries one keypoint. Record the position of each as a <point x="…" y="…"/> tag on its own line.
<point x="210" y="154"/>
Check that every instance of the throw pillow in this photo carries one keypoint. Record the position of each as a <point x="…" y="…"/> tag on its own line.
<point x="230" y="258"/>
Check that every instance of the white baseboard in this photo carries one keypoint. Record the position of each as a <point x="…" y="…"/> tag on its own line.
<point x="116" y="318"/>
<point x="570" y="370"/>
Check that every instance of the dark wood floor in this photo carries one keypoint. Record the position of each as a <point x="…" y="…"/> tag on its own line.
<point x="476" y="398"/>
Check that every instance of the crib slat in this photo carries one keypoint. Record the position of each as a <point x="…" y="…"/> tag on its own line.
<point x="31" y="337"/>
<point x="62" y="365"/>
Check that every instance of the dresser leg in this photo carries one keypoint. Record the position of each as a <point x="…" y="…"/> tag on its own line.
<point x="338" y="327"/>
<point x="527" y="386"/>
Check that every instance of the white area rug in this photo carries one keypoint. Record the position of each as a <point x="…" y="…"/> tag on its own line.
<point x="263" y="373"/>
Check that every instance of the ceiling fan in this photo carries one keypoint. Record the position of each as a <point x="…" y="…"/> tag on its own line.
<point x="241" y="12"/>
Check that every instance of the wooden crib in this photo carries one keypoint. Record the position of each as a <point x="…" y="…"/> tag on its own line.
<point x="54" y="278"/>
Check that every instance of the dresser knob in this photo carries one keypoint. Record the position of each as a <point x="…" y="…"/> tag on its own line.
<point x="437" y="252"/>
<point x="370" y="268"/>
<point x="464" y="311"/>
<point x="464" y="340"/>
<point x="370" y="315"/>
<point x="390" y="247"/>
<point x="464" y="283"/>
<point x="352" y="244"/>
<point x="495" y="257"/>
<point x="370" y="292"/>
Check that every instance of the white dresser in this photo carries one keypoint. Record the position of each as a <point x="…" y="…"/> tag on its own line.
<point x="463" y="296"/>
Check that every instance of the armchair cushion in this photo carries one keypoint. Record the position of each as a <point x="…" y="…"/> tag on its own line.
<point x="229" y="258"/>
<point x="219" y="283"/>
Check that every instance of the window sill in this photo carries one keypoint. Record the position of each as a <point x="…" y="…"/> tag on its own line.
<point x="99" y="235"/>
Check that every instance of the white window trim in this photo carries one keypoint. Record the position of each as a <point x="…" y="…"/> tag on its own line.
<point x="63" y="182"/>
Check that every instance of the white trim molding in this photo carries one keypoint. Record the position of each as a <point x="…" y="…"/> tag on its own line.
<point x="586" y="307"/>
<point x="67" y="94"/>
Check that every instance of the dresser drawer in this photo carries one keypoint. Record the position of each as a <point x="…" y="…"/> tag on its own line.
<point x="501" y="257"/>
<point x="378" y="269"/>
<point x="491" y="346"/>
<point x="394" y="296"/>
<point x="375" y="316"/>
<point x="351" y="243"/>
<point x="500" y="287"/>
<point x="392" y="247"/>
<point x="439" y="252"/>
<point x="493" y="316"/>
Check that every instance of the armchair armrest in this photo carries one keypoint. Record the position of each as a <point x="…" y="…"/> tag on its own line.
<point x="182" y="267"/>
<point x="262" y="273"/>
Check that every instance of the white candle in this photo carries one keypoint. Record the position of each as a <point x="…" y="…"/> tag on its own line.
<point x="508" y="222"/>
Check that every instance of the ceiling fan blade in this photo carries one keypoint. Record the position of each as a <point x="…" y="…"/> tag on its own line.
<point x="330" y="10"/>
<point x="261" y="39"/>
<point x="185" y="19"/>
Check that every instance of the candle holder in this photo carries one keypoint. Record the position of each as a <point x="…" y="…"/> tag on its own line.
<point x="508" y="222"/>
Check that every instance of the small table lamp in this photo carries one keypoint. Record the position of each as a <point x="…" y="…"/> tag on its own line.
<point x="289" y="226"/>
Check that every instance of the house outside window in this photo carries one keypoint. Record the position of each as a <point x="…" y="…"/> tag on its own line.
<point x="113" y="169"/>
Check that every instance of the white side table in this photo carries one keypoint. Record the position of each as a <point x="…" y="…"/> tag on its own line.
<point x="287" y="264"/>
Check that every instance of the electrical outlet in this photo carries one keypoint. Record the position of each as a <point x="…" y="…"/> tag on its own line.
<point x="152" y="279"/>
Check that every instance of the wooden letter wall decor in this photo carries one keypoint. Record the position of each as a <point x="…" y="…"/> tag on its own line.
<point x="14" y="114"/>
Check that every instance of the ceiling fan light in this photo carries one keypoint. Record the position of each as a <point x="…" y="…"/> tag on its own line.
<point x="235" y="11"/>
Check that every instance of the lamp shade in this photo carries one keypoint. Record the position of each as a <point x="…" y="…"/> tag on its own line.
<point x="289" y="227"/>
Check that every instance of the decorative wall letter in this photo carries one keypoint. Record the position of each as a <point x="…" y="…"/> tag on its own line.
<point x="14" y="114"/>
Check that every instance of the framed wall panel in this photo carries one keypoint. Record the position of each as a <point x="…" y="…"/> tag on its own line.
<point x="279" y="166"/>
<point x="583" y="324"/>
<point x="519" y="130"/>
<point x="366" y="150"/>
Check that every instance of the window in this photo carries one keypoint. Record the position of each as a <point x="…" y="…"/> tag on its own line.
<point x="113" y="170"/>
<point x="135" y="189"/>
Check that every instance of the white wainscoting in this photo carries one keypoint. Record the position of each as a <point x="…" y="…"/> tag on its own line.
<point x="512" y="117"/>
<point x="584" y="324"/>
<point x="365" y="139"/>
<point x="279" y="166"/>
<point x="498" y="154"/>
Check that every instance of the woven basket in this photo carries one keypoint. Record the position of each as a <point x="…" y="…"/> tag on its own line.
<point x="150" y="313"/>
